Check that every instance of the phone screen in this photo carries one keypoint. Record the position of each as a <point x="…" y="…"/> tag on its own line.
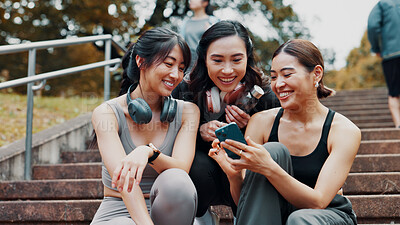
<point x="230" y="131"/>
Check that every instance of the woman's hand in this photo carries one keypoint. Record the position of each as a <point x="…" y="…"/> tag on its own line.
<point x="207" y="130"/>
<point x="131" y="166"/>
<point x="220" y="156"/>
<point x="253" y="156"/>
<point x="235" y="114"/>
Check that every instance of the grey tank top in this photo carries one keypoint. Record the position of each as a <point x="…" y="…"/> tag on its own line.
<point x="149" y="174"/>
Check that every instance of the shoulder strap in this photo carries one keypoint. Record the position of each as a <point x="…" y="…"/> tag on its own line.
<point x="273" y="136"/>
<point x="327" y="125"/>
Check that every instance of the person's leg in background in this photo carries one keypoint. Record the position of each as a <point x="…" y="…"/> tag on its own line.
<point x="394" y="107"/>
<point x="391" y="70"/>
<point x="173" y="198"/>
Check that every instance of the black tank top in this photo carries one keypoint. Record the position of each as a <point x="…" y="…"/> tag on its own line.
<point x="306" y="168"/>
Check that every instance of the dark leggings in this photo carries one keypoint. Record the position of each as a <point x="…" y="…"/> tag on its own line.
<point x="211" y="183"/>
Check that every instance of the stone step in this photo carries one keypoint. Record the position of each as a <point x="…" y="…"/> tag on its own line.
<point x="80" y="156"/>
<point x="368" y="125"/>
<point x="368" y="101"/>
<point x="380" y="134"/>
<point x="372" y="183"/>
<point x="371" y="119"/>
<point x="379" y="147"/>
<point x="52" y="189"/>
<point x="355" y="108"/>
<point x="66" y="171"/>
<point x="67" y="211"/>
<point x="376" y="163"/>
<point x="356" y="183"/>
<point x="370" y="112"/>
<point x="384" y="211"/>
<point x="376" y="209"/>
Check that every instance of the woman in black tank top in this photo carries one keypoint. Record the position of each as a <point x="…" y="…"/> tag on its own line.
<point x="298" y="180"/>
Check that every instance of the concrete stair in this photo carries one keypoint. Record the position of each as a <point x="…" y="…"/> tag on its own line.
<point x="71" y="191"/>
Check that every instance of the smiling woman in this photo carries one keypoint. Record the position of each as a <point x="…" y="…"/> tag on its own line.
<point x="147" y="139"/>
<point x="226" y="68"/>
<point x="298" y="156"/>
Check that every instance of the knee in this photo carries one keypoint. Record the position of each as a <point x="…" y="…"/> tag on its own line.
<point x="175" y="186"/>
<point x="299" y="217"/>
<point x="202" y="168"/>
<point x="279" y="153"/>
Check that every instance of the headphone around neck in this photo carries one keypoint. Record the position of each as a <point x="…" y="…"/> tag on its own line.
<point x="140" y="111"/>
<point x="214" y="97"/>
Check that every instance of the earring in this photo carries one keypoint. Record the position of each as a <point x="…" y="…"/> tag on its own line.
<point x="316" y="84"/>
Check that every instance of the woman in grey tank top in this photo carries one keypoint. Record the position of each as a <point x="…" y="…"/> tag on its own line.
<point x="147" y="139"/>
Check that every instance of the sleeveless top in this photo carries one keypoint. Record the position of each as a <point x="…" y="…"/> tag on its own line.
<point x="149" y="174"/>
<point x="306" y="168"/>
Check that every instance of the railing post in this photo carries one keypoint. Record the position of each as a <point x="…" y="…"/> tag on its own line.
<point x="29" y="115"/>
<point x="107" y="53"/>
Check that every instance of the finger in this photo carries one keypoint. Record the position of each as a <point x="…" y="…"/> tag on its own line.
<point x="235" y="164"/>
<point x="131" y="180"/>
<point x="139" y="175"/>
<point x="236" y="144"/>
<point x="240" y="112"/>
<point x="252" y="143"/>
<point x="229" y="118"/>
<point x="122" y="177"/>
<point x="215" y="143"/>
<point x="115" y="176"/>
<point x="232" y="148"/>
<point x="213" y="152"/>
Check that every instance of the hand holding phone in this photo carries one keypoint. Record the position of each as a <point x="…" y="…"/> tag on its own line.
<point x="230" y="131"/>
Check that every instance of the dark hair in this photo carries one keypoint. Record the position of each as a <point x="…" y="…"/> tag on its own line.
<point x="309" y="56"/>
<point x="153" y="46"/>
<point x="200" y="82"/>
<point x="209" y="9"/>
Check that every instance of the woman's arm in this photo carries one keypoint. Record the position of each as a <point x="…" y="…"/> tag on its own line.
<point x="185" y="142"/>
<point x="343" y="142"/>
<point x="112" y="152"/>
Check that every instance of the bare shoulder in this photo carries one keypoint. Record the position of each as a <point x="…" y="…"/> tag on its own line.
<point x="265" y="116"/>
<point x="101" y="110"/>
<point x="342" y="124"/>
<point x="260" y="125"/>
<point x="344" y="136"/>
<point x="103" y="114"/>
<point x="190" y="111"/>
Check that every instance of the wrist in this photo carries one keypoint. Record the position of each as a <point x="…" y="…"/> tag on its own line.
<point x="154" y="153"/>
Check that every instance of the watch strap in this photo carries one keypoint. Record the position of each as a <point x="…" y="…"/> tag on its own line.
<point x="156" y="153"/>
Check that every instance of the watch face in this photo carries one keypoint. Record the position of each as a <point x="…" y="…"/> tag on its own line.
<point x="155" y="149"/>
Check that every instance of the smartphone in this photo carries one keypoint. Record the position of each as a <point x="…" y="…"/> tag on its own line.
<point x="230" y="131"/>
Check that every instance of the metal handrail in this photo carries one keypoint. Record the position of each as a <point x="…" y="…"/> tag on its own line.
<point x="32" y="47"/>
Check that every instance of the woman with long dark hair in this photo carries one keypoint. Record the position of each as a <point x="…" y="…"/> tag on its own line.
<point x="147" y="139"/>
<point x="226" y="68"/>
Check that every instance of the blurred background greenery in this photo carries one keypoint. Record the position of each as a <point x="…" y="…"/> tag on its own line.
<point x="32" y="20"/>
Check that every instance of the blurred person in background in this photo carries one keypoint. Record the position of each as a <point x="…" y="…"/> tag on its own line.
<point x="384" y="36"/>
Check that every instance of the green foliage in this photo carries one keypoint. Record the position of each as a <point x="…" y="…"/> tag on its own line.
<point x="363" y="70"/>
<point x="28" y="20"/>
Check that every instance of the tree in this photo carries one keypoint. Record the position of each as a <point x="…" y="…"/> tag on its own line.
<point x="33" y="20"/>
<point x="363" y="70"/>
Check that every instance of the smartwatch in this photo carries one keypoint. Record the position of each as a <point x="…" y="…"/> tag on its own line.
<point x="156" y="153"/>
